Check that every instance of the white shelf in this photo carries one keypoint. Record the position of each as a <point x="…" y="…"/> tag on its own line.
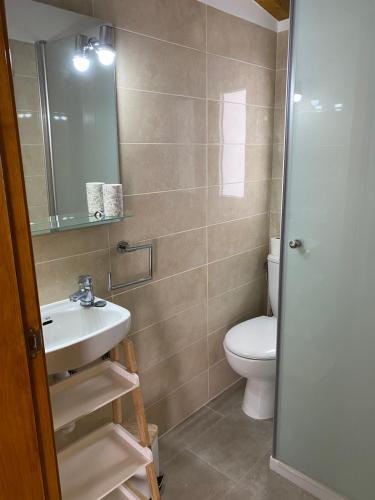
<point x="97" y="464"/>
<point x="89" y="390"/>
<point x="124" y="493"/>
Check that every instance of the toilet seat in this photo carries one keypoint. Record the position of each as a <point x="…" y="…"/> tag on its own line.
<point x="253" y="339"/>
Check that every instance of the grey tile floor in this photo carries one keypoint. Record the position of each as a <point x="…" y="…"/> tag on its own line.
<point x="220" y="453"/>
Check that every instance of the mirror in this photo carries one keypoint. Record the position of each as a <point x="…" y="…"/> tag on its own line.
<point x="65" y="89"/>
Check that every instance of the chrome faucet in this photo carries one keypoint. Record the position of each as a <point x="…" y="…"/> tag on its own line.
<point x="85" y="294"/>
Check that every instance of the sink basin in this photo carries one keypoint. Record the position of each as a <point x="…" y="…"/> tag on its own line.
<point x="75" y="336"/>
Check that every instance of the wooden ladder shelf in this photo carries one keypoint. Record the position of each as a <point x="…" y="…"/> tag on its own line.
<point x="98" y="465"/>
<point x="144" y="436"/>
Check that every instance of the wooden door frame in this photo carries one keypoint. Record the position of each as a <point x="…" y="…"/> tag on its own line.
<point x="18" y="274"/>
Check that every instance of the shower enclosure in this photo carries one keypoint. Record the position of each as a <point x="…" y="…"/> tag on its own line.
<point x="326" y="370"/>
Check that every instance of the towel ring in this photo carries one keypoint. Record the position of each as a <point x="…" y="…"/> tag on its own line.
<point x="125" y="247"/>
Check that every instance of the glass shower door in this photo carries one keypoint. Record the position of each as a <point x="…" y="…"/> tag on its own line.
<point x="326" y="375"/>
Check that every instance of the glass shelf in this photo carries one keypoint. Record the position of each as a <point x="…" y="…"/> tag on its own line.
<point x="58" y="223"/>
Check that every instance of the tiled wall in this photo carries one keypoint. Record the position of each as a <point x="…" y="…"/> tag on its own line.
<point x="279" y="131"/>
<point x="30" y="125"/>
<point x="196" y="108"/>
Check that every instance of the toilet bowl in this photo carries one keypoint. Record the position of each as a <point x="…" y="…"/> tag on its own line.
<point x="250" y="349"/>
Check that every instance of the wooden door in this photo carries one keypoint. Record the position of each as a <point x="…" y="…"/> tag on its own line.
<point x="28" y="466"/>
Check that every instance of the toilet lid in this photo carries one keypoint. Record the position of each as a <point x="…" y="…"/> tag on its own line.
<point x="253" y="339"/>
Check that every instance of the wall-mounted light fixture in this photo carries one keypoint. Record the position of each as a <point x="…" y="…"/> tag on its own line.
<point x="80" y="60"/>
<point x="103" y="47"/>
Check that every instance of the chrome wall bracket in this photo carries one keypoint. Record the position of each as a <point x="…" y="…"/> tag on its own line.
<point x="125" y="247"/>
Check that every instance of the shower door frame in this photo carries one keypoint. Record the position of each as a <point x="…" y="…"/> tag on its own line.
<point x="288" y="125"/>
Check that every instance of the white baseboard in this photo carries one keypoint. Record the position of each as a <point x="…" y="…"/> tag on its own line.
<point x="304" y="482"/>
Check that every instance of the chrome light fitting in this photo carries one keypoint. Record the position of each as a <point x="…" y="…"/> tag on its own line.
<point x="105" y="46"/>
<point x="80" y="60"/>
<point x="104" y="49"/>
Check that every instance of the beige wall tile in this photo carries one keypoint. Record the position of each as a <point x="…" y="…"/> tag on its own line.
<point x="166" y="168"/>
<point x="221" y="376"/>
<point x="147" y="168"/>
<point x="145" y="117"/>
<point x="234" y="81"/>
<point x="172" y="254"/>
<point x="235" y="271"/>
<point x="280" y="88"/>
<point x="158" y="381"/>
<point x="176" y="253"/>
<point x="215" y="346"/>
<point x="238" y="163"/>
<point x="58" y="279"/>
<point x="234" y="237"/>
<point x="69" y="243"/>
<point x="276" y="195"/>
<point x="29" y="122"/>
<point x="33" y="160"/>
<point x="26" y="90"/>
<point x="36" y="191"/>
<point x="278" y="161"/>
<point x="181" y="403"/>
<point x="180" y="21"/>
<point x="23" y="58"/>
<point x="230" y="123"/>
<point x="279" y="128"/>
<point x="279" y="132"/>
<point x="275" y="225"/>
<point x="79" y="6"/>
<point x="30" y="127"/>
<point x="234" y="37"/>
<point x="147" y="64"/>
<point x="170" y="336"/>
<point x="282" y="49"/>
<point x="38" y="213"/>
<point x="239" y="304"/>
<point x="236" y="201"/>
<point x="158" y="301"/>
<point x="160" y="214"/>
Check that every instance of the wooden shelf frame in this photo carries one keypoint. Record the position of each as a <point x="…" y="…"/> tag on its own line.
<point x="99" y="464"/>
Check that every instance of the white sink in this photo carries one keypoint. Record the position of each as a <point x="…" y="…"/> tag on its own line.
<point x="77" y="335"/>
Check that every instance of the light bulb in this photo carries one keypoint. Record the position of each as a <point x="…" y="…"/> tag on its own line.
<point x="106" y="55"/>
<point x="297" y="97"/>
<point x="81" y="62"/>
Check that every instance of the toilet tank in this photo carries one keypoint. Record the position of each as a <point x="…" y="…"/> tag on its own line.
<point x="273" y="282"/>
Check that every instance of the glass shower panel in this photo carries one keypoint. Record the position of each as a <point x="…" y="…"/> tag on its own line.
<point x="326" y="379"/>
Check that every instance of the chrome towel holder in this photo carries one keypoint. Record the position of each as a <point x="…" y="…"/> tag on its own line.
<point x="125" y="247"/>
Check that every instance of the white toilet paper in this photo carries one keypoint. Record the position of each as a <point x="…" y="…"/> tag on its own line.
<point x="113" y="200"/>
<point x="275" y="247"/>
<point x="94" y="193"/>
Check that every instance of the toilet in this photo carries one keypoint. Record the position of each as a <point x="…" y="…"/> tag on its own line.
<point x="250" y="348"/>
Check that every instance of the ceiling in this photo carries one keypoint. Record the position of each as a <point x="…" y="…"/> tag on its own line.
<point x="279" y="9"/>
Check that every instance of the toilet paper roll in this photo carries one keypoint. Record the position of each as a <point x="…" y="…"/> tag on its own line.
<point x="94" y="194"/>
<point x="275" y="247"/>
<point x="113" y="200"/>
